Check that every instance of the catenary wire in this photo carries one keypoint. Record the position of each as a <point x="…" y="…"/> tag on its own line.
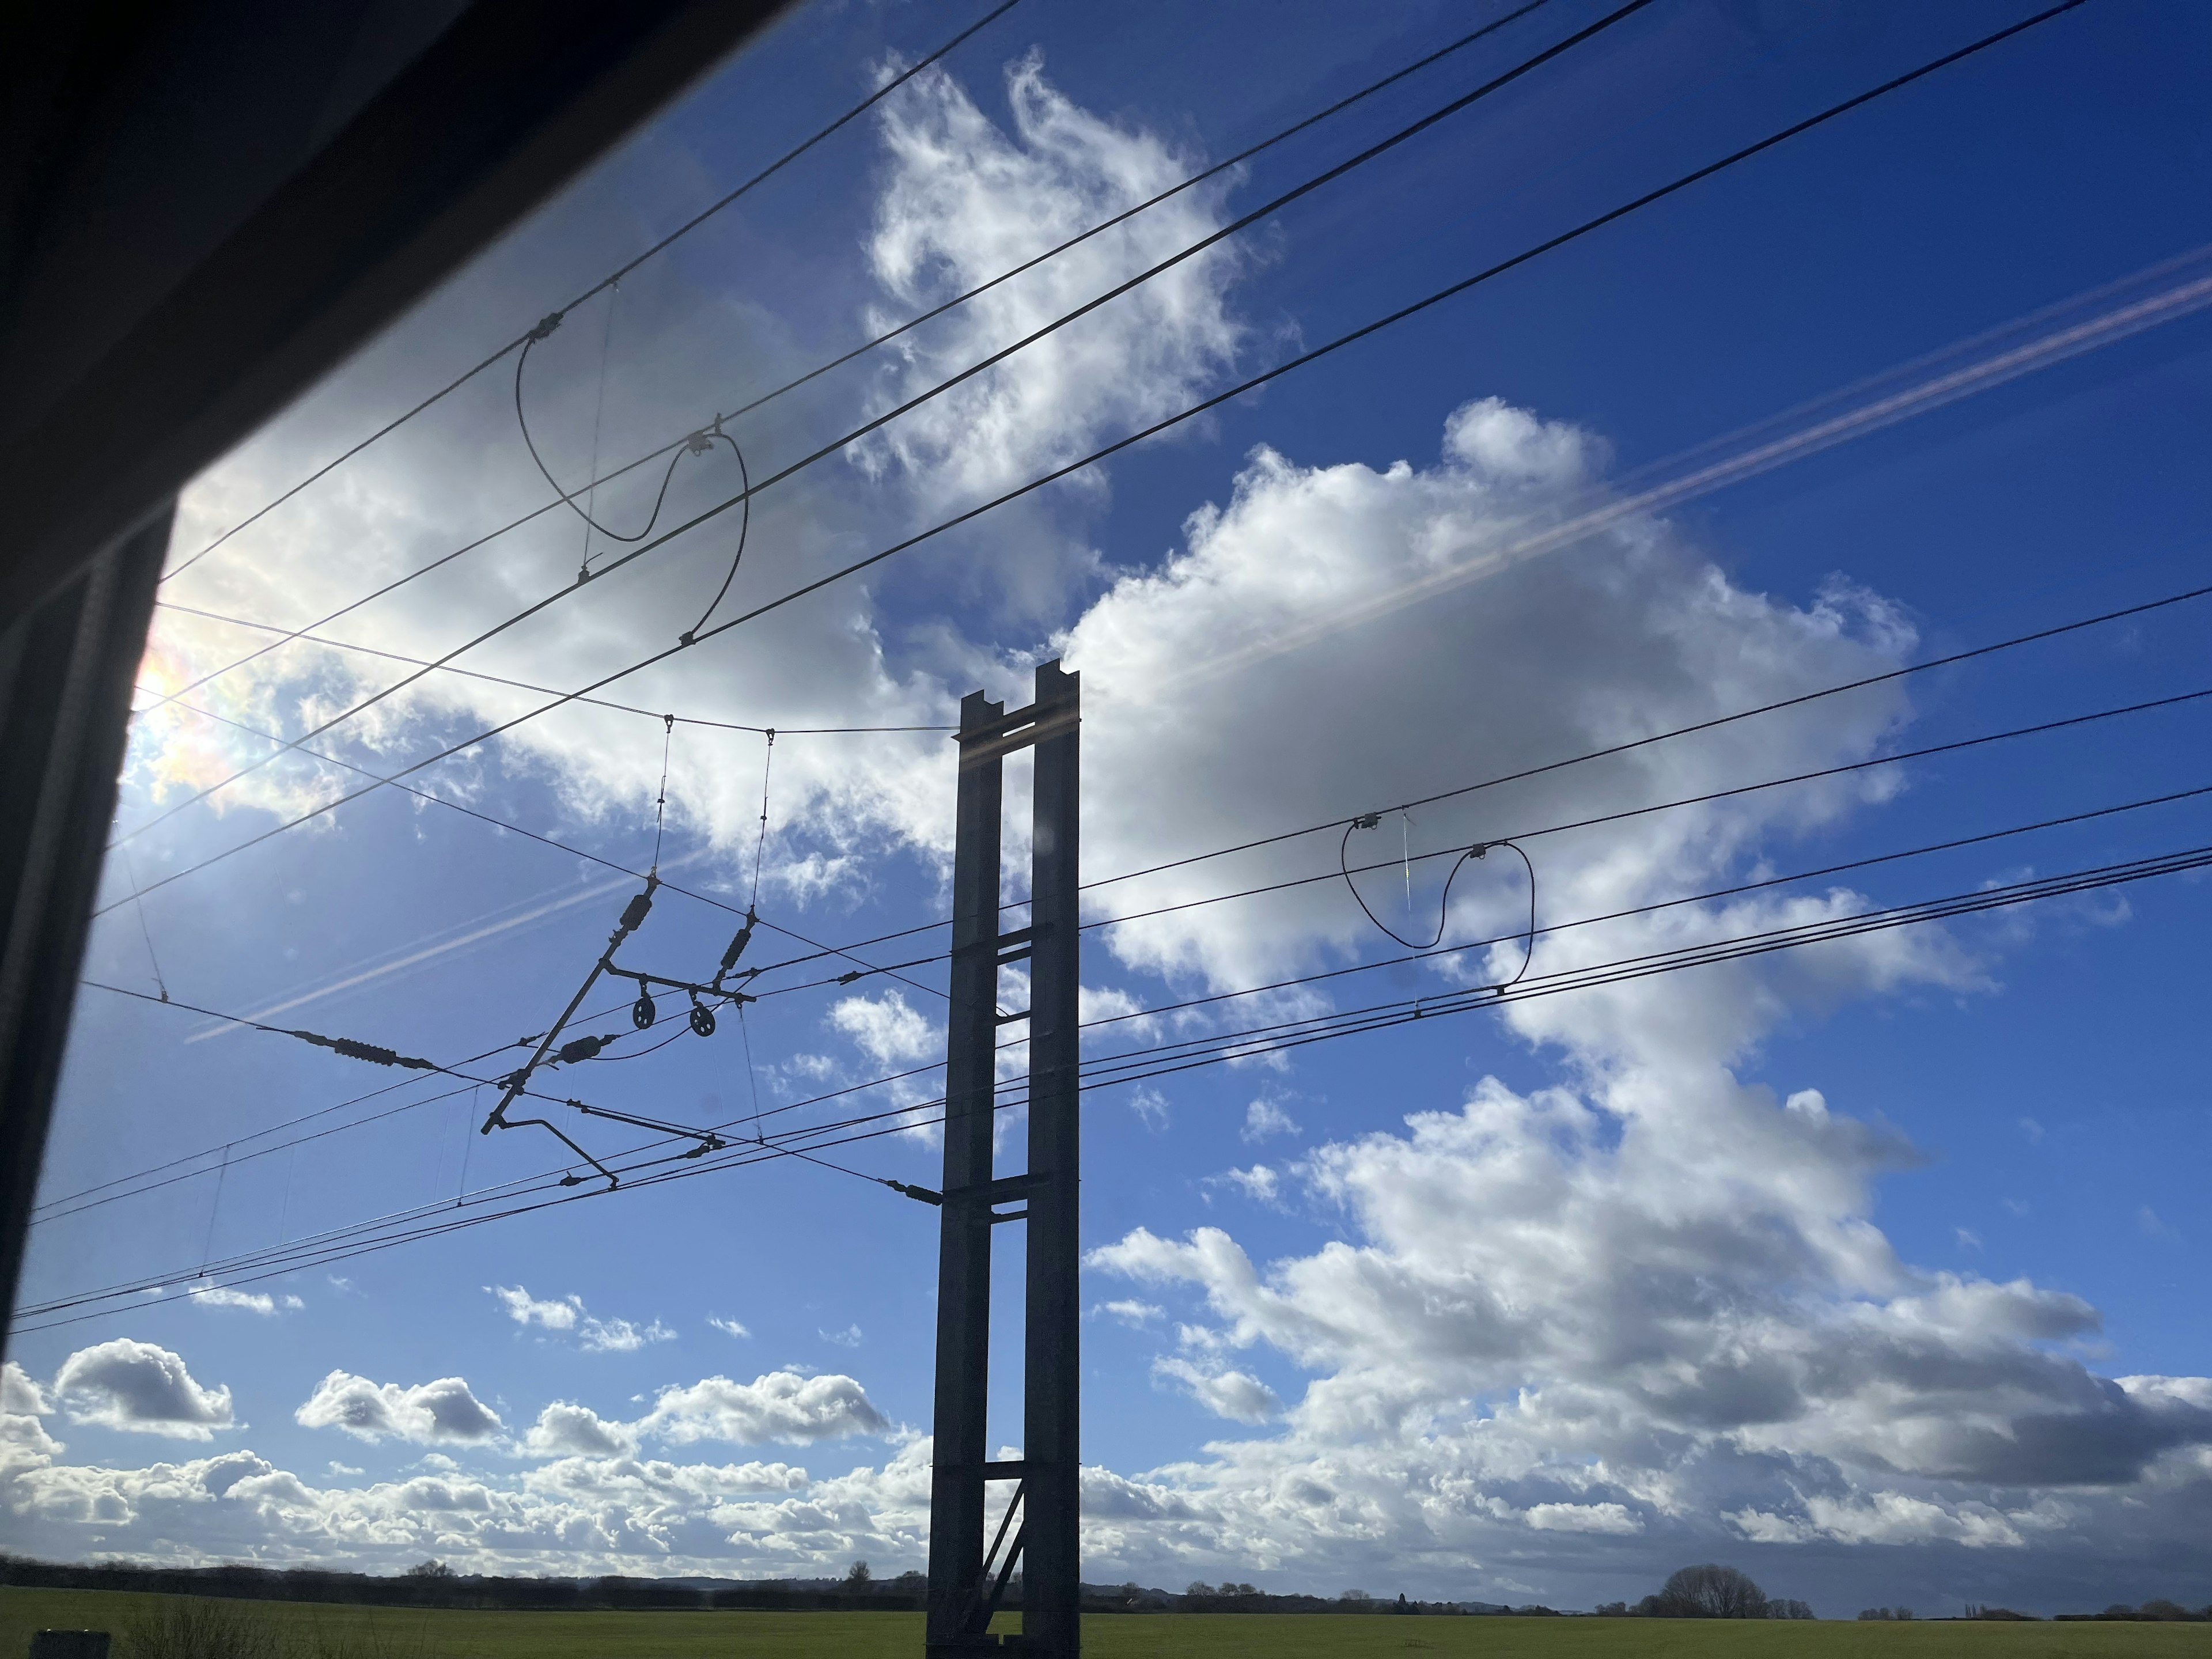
<point x="1288" y="366"/>
<point x="894" y="970"/>
<point x="819" y="949"/>
<point x="891" y="85"/>
<point x="1174" y="1057"/>
<point x="52" y="1210"/>
<point x="1459" y="853"/>
<point x="1628" y="813"/>
<point x="163" y="698"/>
<point x="1737" y="890"/>
<point x="1241" y="156"/>
<point x="1167" y="1059"/>
<point x="842" y="444"/>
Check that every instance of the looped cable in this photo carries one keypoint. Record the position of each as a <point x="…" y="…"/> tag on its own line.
<point x="1371" y="820"/>
<point x="691" y="446"/>
<point x="700" y="442"/>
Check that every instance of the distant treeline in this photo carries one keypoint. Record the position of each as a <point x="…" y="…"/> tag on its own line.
<point x="1710" y="1591"/>
<point x="434" y="1585"/>
<point x="2157" y="1610"/>
<point x="1233" y="1597"/>
<point x="418" y="1588"/>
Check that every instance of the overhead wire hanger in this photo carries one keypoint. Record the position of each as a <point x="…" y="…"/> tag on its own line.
<point x="643" y="1013"/>
<point x="138" y="900"/>
<point x="697" y="443"/>
<point x="599" y="414"/>
<point x="1479" y="849"/>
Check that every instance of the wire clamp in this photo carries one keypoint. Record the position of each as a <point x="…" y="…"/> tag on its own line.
<point x="546" y="325"/>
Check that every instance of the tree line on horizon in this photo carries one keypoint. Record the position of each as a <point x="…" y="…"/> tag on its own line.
<point x="1710" y="1590"/>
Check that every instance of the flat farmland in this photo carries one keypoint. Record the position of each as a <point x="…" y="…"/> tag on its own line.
<point x="311" y="1630"/>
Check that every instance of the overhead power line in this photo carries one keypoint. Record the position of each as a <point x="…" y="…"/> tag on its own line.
<point x="934" y="311"/>
<point x="820" y="951"/>
<point x="2034" y="636"/>
<point x="841" y="444"/>
<point x="1056" y="474"/>
<point x="1624" y="814"/>
<point x="1735" y="890"/>
<point x="1461" y="947"/>
<point x="890" y="86"/>
<point x="56" y="1208"/>
<point x="163" y="699"/>
<point x="1459" y="853"/>
<point x="1166" y="1059"/>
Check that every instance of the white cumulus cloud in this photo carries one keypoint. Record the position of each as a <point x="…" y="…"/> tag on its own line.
<point x="563" y="1430"/>
<point x="778" y="1406"/>
<point x="966" y="201"/>
<point x="444" y="1410"/>
<point x="140" y="1386"/>
<point x="1232" y="1393"/>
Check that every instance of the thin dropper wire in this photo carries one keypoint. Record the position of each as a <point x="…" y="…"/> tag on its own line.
<point x="1052" y="476"/>
<point x="131" y="874"/>
<point x="660" y="803"/>
<point x="1238" y="1045"/>
<point x="543" y="840"/>
<point x="752" y="1077"/>
<point x="935" y="311"/>
<point x="1531" y="934"/>
<point x="891" y="85"/>
<point x="760" y="846"/>
<point x="1382" y="1016"/>
<point x="599" y="414"/>
<point x="468" y="1142"/>
<point x="842" y="444"/>
<point x="2039" y="728"/>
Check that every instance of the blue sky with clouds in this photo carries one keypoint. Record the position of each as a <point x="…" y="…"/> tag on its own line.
<point x="1871" y="1266"/>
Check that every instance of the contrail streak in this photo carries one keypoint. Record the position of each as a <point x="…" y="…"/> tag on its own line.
<point x="2180" y="287"/>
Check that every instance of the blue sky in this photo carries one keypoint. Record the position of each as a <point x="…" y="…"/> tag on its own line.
<point x="1871" y="1267"/>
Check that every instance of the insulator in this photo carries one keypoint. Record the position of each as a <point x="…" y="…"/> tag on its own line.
<point x="703" y="1020"/>
<point x="634" y="912"/>
<point x="643" y="1013"/>
<point x="738" y="945"/>
<point x="583" y="1047"/>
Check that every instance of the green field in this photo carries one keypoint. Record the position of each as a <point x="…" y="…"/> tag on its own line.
<point x="396" y="1634"/>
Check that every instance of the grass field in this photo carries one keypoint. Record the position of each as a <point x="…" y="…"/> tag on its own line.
<point x="396" y="1634"/>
